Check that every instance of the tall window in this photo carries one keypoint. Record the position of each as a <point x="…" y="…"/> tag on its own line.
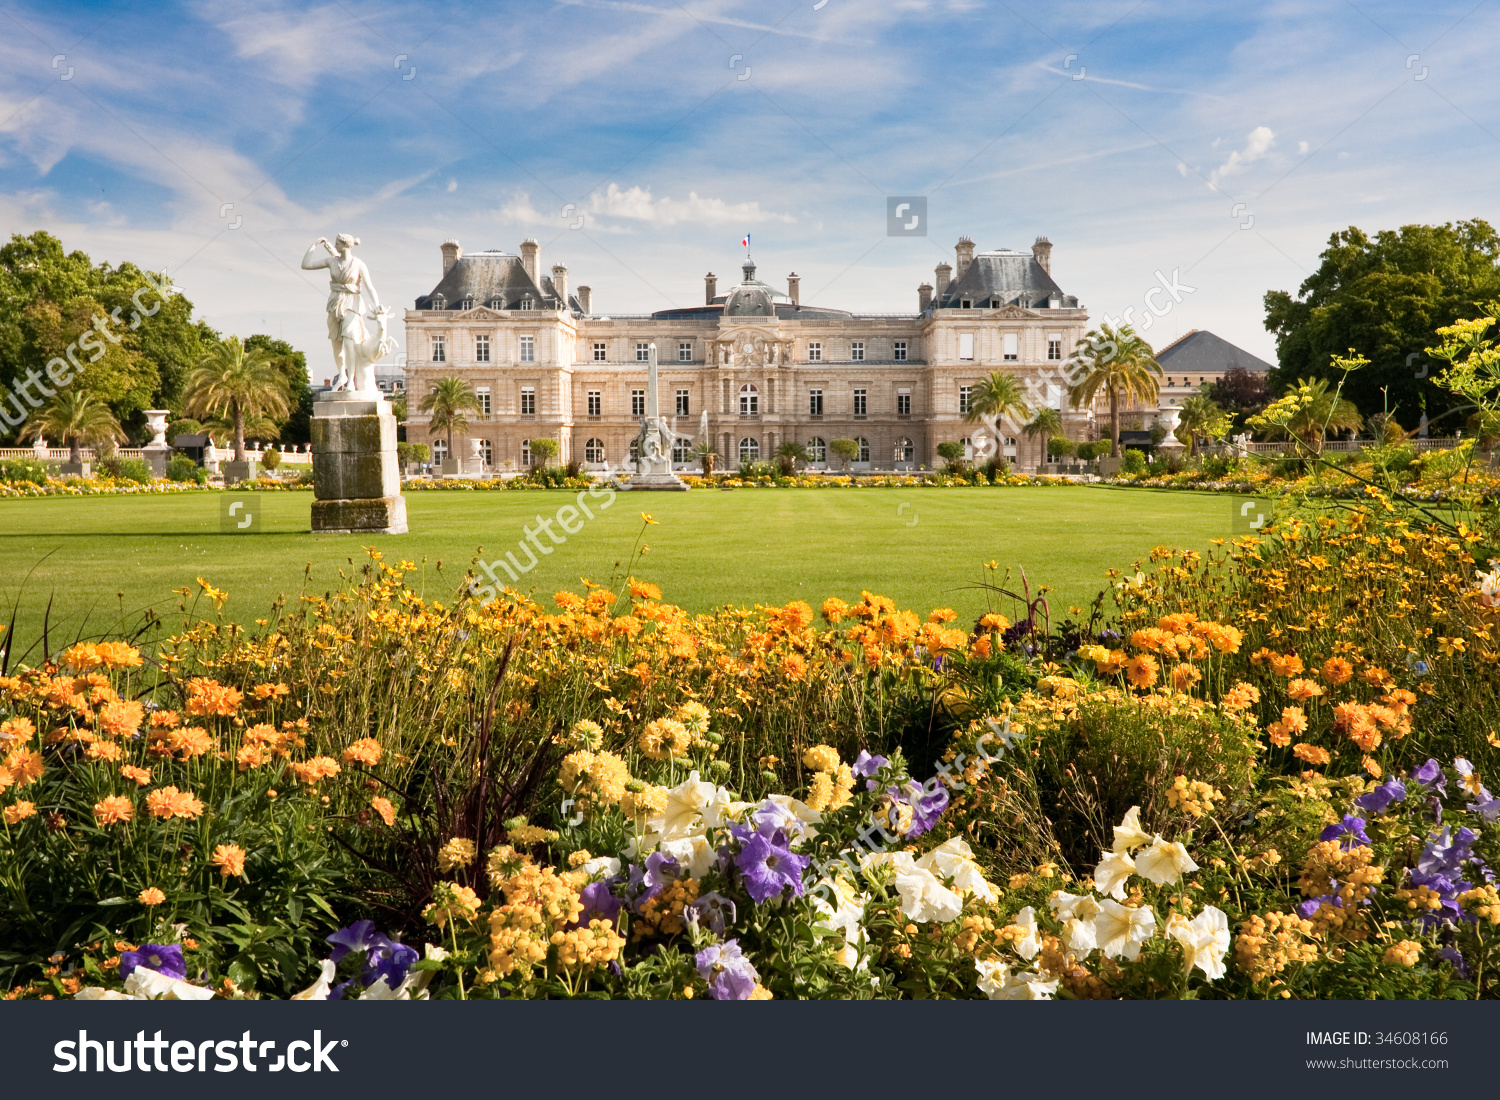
<point x="903" y="402"/>
<point x="487" y="452"/>
<point x="898" y="351"/>
<point x="815" y="352"/>
<point x="637" y="402"/>
<point x="439" y="450"/>
<point x="528" y="401"/>
<point x="817" y="450"/>
<point x="749" y="402"/>
<point x="642" y="353"/>
<point x="1012" y="347"/>
<point x="966" y="345"/>
<point x="682" y="450"/>
<point x="857" y="351"/>
<point x="601" y="352"/>
<point x="482" y="397"/>
<point x="593" y="451"/>
<point x="965" y="397"/>
<point x="814" y="402"/>
<point x="861" y="404"/>
<point x="684" y="352"/>
<point x="1054" y="345"/>
<point x="749" y="450"/>
<point x="903" y="451"/>
<point x="682" y="403"/>
<point x="439" y="349"/>
<point x="481" y="349"/>
<point x="864" y="449"/>
<point x="595" y="403"/>
<point x="528" y="349"/>
<point x="525" y="452"/>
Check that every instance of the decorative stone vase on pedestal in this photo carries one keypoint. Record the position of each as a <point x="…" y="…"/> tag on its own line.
<point x="356" y="479"/>
<point x="653" y="467"/>
<point x="476" y="458"/>
<point x="158" y="450"/>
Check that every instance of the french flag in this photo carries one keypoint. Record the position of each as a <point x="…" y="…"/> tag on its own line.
<point x="746" y="242"/>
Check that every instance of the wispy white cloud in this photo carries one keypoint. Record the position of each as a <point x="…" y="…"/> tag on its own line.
<point x="1257" y="144"/>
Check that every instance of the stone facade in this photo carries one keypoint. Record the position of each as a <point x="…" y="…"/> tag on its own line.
<point x="547" y="362"/>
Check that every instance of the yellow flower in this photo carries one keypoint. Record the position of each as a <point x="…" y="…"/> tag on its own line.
<point x="458" y="852"/>
<point x="646" y="516"/>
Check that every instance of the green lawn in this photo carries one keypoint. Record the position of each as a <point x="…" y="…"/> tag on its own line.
<point x="102" y="560"/>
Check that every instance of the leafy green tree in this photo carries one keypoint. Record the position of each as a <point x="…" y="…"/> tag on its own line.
<point x="292" y="365"/>
<point x="238" y="384"/>
<point x="1201" y="417"/>
<point x="846" y="449"/>
<point x="1118" y="362"/>
<point x="952" y="452"/>
<point x="446" y="403"/>
<point x="542" y="450"/>
<point x="1385" y="294"/>
<point x="78" y="419"/>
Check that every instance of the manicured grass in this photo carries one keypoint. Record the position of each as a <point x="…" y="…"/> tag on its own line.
<point x="103" y="560"/>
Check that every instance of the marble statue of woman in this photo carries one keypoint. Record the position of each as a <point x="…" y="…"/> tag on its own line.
<point x="348" y="280"/>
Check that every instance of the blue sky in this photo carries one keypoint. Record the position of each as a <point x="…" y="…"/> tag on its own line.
<point x="1223" y="141"/>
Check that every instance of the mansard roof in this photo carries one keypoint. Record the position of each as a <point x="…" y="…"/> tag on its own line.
<point x="1201" y="350"/>
<point x="491" y="276"/>
<point x="1005" y="277"/>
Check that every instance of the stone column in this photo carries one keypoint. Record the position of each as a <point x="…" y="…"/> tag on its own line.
<point x="356" y="481"/>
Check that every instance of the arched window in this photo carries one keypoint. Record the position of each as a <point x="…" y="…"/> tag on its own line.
<point x="439" y="450"/>
<point x="864" y="449"/>
<point x="525" y="452"/>
<point x="817" y="450"/>
<point x="593" y="450"/>
<point x="750" y="403"/>
<point x="682" y="450"/>
<point x="749" y="449"/>
<point x="487" y="452"/>
<point x="903" y="451"/>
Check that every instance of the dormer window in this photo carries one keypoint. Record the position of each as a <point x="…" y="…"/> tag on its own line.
<point x="527" y="303"/>
<point x="967" y="303"/>
<point x="437" y="302"/>
<point x="496" y="303"/>
<point x="468" y="303"/>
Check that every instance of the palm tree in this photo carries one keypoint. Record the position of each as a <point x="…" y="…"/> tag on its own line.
<point x="997" y="395"/>
<point x="1315" y="413"/>
<point x="1047" y="423"/>
<point x="788" y="455"/>
<point x="237" y="385"/>
<point x="78" y="419"/>
<point x="446" y="403"/>
<point x="1118" y="362"/>
<point x="1201" y="416"/>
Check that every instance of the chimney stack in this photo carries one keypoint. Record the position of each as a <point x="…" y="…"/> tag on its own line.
<point x="1042" y="250"/>
<point x="710" y="288"/>
<point x="531" y="260"/>
<point x="586" y="300"/>
<point x="924" y="297"/>
<point x="794" y="288"/>
<point x="944" y="273"/>
<point x="965" y="252"/>
<point x="560" y="284"/>
<point x="451" y="254"/>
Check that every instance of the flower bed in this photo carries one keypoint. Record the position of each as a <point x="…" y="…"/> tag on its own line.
<point x="107" y="486"/>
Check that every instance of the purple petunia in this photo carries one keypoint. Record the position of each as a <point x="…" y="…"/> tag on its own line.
<point x="383" y="957"/>
<point x="164" y="958"/>
<point x="1382" y="797"/>
<point x="1485" y="805"/>
<point x="730" y="976"/>
<point x="1351" y="829"/>
<point x="599" y="903"/>
<point x="661" y="871"/>
<point x="865" y="766"/>
<point x="767" y="868"/>
<point x="713" y="911"/>
<point x="1430" y="777"/>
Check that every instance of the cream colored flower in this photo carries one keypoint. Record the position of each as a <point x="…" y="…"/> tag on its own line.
<point x="1026" y="986"/>
<point x="1128" y="834"/>
<point x="152" y="986"/>
<point x="319" y="990"/>
<point x="685" y="805"/>
<point x="1164" y="863"/>
<point x="992" y="977"/>
<point x="1027" y="946"/>
<point x="1120" y="930"/>
<point x="954" y="859"/>
<point x="1204" y="939"/>
<point x="1078" y="934"/>
<point x="693" y="852"/>
<point x="1111" y="873"/>
<point x="923" y="897"/>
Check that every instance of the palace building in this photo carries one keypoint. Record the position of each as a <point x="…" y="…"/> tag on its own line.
<point x="765" y="367"/>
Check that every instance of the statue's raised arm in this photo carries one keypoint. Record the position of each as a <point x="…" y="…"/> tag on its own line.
<point x="312" y="259"/>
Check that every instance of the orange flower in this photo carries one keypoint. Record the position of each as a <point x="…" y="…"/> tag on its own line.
<point x="142" y="776"/>
<point x="151" y="896"/>
<point x="250" y="756"/>
<point x="1311" y="753"/>
<point x="1337" y="671"/>
<point x="191" y="741"/>
<point x="644" y="591"/>
<point x="834" y="609"/>
<point x="1302" y="690"/>
<point x="319" y="767"/>
<point x="21" y="729"/>
<point x="942" y="615"/>
<point x="1141" y="670"/>
<point x="118" y="655"/>
<point x="121" y="719"/>
<point x="19" y="812"/>
<point x="1293" y="719"/>
<point x="210" y="698"/>
<point x="230" y="860"/>
<point x="384" y="808"/>
<point x="1184" y="676"/>
<point x="1371" y="765"/>
<point x="1286" y="664"/>
<point x="992" y="621"/>
<point x="1279" y="735"/>
<point x="24" y="766"/>
<point x="981" y="647"/>
<point x="115" y="808"/>
<point x="270" y="691"/>
<point x="168" y="802"/>
<point x="103" y="750"/>
<point x="165" y="719"/>
<point x="364" y="751"/>
<point x="793" y="666"/>
<point x="82" y="657"/>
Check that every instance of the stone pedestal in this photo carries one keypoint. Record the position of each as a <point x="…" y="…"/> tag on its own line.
<point x="76" y="469"/>
<point x="236" y="472"/>
<point x="356" y="479"/>
<point x="157" y="458"/>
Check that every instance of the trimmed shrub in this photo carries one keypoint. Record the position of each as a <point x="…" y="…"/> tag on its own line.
<point x="1133" y="461"/>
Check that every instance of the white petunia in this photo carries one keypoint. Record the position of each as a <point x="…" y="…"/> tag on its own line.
<point x="1078" y="933"/>
<point x="954" y="859"/>
<point x="686" y="803"/>
<point x="1204" y="939"/>
<point x="923" y="895"/>
<point x="1111" y="873"/>
<point x="693" y="852"/>
<point x="98" y="993"/>
<point x="1120" y="930"/>
<point x="1066" y="906"/>
<point x="601" y="867"/>
<point x="152" y="986"/>
<point x="992" y="977"/>
<point x="1026" y="986"/>
<point x="1163" y="863"/>
<point x="318" y="991"/>
<point x="1128" y="834"/>
<point x="1027" y="946"/>
<point x="800" y="816"/>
